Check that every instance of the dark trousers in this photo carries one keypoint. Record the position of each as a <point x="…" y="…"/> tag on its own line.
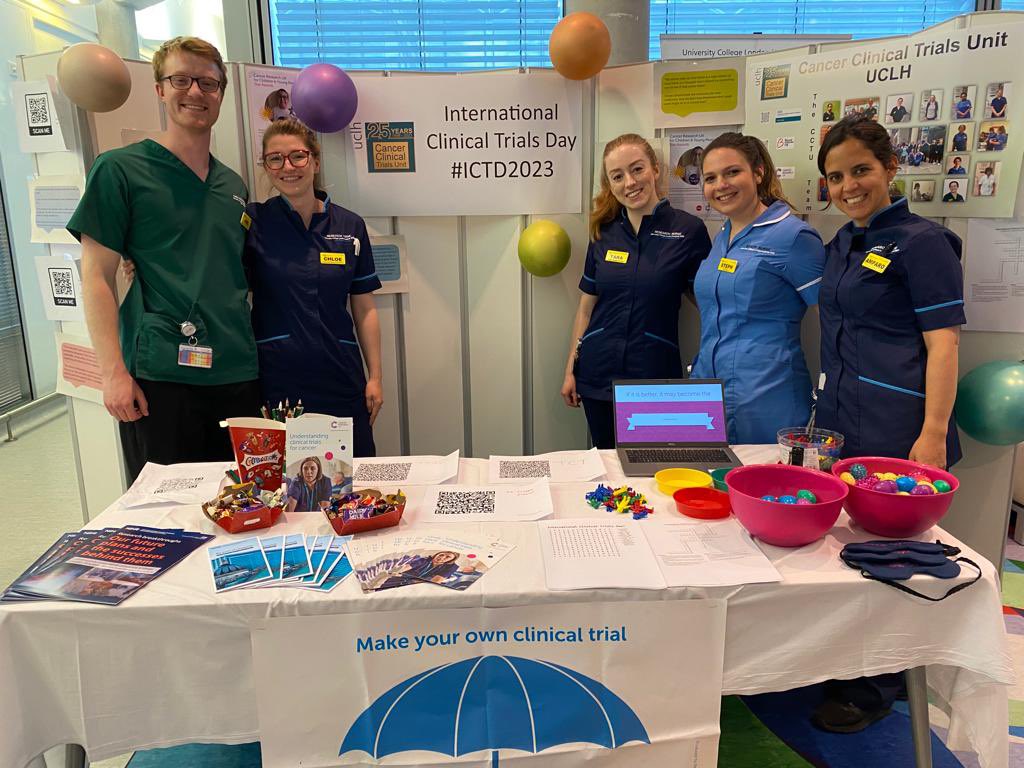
<point x="868" y="693"/>
<point x="600" y="421"/>
<point x="184" y="423"/>
<point x="362" y="433"/>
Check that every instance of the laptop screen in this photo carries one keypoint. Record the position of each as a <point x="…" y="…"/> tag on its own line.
<point x="670" y="412"/>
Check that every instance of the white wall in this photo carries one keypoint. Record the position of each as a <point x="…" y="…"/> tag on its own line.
<point x="28" y="29"/>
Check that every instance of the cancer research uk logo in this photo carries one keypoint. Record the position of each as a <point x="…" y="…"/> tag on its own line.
<point x="390" y="148"/>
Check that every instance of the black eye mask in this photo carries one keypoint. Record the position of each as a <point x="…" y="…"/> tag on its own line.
<point x="893" y="561"/>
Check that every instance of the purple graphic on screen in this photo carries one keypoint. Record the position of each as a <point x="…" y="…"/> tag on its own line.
<point x="670" y="422"/>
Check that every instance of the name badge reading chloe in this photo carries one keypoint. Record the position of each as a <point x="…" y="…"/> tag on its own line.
<point x="326" y="257"/>
<point x="727" y="265"/>
<point x="619" y="257"/>
<point x="876" y="263"/>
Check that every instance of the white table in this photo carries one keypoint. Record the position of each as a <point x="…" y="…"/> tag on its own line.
<point x="173" y="663"/>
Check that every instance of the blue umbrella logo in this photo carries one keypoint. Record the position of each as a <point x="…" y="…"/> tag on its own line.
<point x="493" y="703"/>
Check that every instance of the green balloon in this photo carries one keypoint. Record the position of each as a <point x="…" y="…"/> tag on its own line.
<point x="990" y="403"/>
<point x="544" y="248"/>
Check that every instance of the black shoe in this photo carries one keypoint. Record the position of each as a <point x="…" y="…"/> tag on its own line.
<point x="843" y="717"/>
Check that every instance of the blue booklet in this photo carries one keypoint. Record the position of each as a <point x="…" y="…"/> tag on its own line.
<point x="106" y="566"/>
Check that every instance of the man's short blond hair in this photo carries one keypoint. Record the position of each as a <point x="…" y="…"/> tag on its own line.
<point x="197" y="47"/>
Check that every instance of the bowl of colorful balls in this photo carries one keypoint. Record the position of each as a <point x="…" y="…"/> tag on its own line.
<point x="784" y="505"/>
<point x="896" y="498"/>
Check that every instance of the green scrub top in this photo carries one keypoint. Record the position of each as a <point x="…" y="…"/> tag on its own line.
<point x="185" y="236"/>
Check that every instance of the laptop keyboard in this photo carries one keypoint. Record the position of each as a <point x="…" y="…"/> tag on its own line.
<point x="680" y="455"/>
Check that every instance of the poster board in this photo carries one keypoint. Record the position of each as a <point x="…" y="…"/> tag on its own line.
<point x="794" y="98"/>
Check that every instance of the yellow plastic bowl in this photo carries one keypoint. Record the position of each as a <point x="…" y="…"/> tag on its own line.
<point x="671" y="480"/>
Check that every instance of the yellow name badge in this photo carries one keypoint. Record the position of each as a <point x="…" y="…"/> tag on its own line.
<point x="727" y="265"/>
<point x="876" y="263"/>
<point x="326" y="257"/>
<point x="619" y="257"/>
<point x="245" y="221"/>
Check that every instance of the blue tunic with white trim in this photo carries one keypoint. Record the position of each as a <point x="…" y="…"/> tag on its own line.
<point x="884" y="285"/>
<point x="639" y="279"/>
<point x="752" y="294"/>
<point x="301" y="279"/>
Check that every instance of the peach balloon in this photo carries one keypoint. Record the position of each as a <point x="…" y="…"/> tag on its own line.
<point x="580" y="46"/>
<point x="94" y="77"/>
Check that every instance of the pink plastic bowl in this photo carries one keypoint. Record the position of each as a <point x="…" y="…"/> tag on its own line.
<point x="785" y="525"/>
<point x="887" y="514"/>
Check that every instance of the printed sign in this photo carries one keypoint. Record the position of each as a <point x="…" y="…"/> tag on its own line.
<point x="540" y="685"/>
<point x="461" y="145"/>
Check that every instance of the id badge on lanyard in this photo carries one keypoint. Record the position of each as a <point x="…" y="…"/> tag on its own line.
<point x="191" y="354"/>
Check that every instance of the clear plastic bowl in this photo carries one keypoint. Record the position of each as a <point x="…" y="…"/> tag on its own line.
<point x="821" y="447"/>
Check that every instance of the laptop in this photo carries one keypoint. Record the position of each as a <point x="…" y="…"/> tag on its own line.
<point x="662" y="423"/>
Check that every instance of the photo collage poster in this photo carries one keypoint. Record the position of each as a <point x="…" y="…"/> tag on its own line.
<point x="947" y="97"/>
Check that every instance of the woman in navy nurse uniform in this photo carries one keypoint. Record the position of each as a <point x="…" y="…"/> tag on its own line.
<point x="752" y="293"/>
<point x="308" y="258"/>
<point x="891" y="304"/>
<point x="642" y="258"/>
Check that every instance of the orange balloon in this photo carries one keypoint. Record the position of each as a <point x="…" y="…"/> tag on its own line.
<point x="94" y="77"/>
<point x="580" y="46"/>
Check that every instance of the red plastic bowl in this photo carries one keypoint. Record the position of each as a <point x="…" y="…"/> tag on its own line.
<point x="702" y="503"/>
<point x="887" y="514"/>
<point x="785" y="525"/>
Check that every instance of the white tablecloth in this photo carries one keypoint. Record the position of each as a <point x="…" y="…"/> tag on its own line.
<point x="173" y="663"/>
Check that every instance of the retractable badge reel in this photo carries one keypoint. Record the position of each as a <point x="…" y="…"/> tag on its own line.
<point x="191" y="354"/>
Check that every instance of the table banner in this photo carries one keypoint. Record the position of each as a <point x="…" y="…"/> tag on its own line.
<point x="600" y="684"/>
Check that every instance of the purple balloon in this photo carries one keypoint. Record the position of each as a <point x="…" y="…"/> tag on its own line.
<point x="324" y="98"/>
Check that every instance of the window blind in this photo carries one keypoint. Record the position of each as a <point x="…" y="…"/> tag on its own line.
<point x="413" y="34"/>
<point x="14" y="381"/>
<point x="860" y="18"/>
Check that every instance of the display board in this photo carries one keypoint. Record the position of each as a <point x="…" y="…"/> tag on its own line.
<point x="947" y="97"/>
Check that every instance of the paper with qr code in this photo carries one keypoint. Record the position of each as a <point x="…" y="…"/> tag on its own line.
<point x="473" y="503"/>
<point x="405" y="470"/>
<point x="558" y="467"/>
<point x="60" y="283"/>
<point x="388" y="560"/>
<point x="35" y="113"/>
<point x="175" y="483"/>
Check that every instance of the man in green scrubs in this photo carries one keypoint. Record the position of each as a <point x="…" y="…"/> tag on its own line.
<point x="179" y="354"/>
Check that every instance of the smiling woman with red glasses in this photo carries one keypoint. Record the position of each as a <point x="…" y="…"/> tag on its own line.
<point x="308" y="261"/>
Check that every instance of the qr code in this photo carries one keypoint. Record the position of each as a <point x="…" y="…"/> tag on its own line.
<point x="524" y="469"/>
<point x="62" y="286"/>
<point x="465" y="502"/>
<point x="172" y="484"/>
<point x="38" y="107"/>
<point x="383" y="473"/>
<point x="766" y="117"/>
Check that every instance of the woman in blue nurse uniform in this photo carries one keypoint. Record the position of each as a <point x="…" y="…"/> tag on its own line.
<point x="891" y="309"/>
<point x="308" y="258"/>
<point x="642" y="258"/>
<point x="891" y="303"/>
<point x="763" y="273"/>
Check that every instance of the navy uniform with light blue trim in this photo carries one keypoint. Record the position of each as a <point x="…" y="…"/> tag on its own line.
<point x="639" y="279"/>
<point x="301" y="280"/>
<point x="752" y="294"/>
<point x="884" y="285"/>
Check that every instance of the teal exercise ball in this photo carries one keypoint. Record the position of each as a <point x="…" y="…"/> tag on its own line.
<point x="544" y="248"/>
<point x="990" y="403"/>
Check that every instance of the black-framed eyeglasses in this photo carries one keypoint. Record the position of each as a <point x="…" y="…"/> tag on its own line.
<point x="184" y="82"/>
<point x="299" y="158"/>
